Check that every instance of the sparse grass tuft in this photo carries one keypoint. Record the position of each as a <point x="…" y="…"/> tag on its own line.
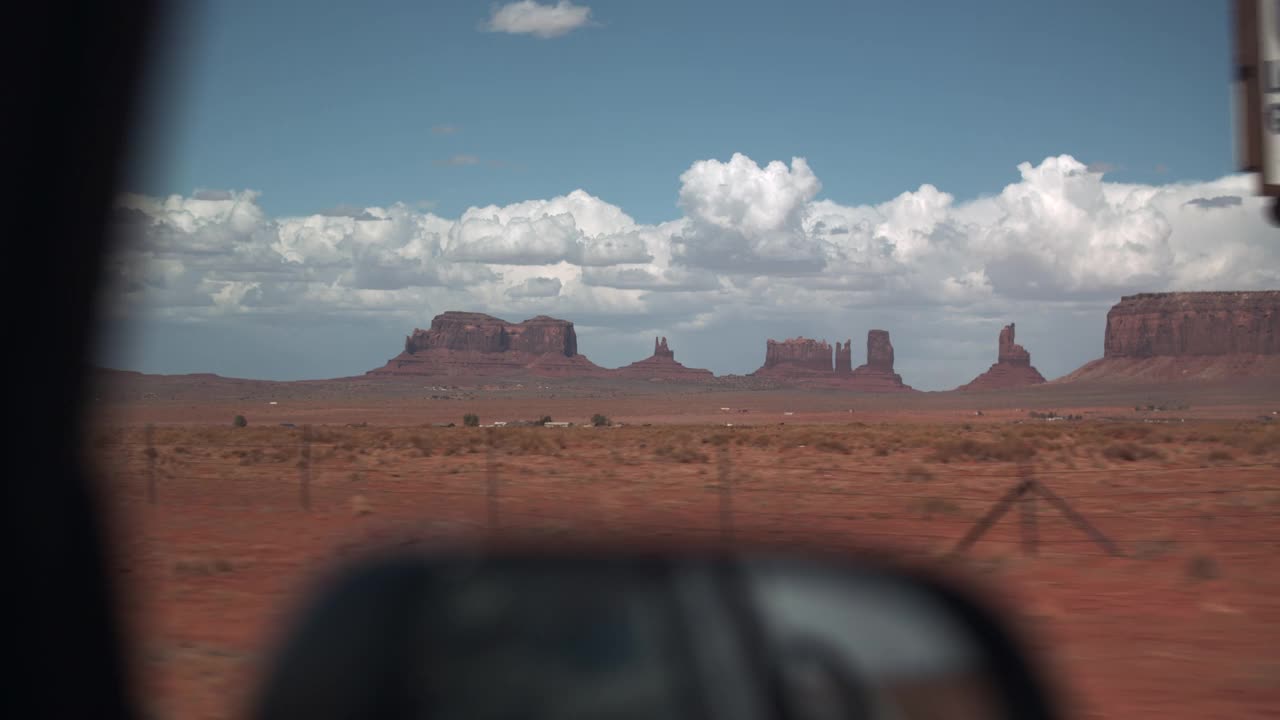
<point x="421" y="444"/>
<point x="918" y="473"/>
<point x="930" y="507"/>
<point x="1130" y="452"/>
<point x="682" y="454"/>
<point x="832" y="445"/>
<point x="1203" y="567"/>
<point x="1004" y="449"/>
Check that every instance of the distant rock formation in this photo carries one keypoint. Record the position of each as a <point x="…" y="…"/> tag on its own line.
<point x="844" y="357"/>
<point x="879" y="350"/>
<point x="662" y="365"/>
<point x="1012" y="368"/>
<point x="660" y="349"/>
<point x="1194" y="323"/>
<point x="471" y="344"/>
<point x="1188" y="336"/>
<point x="798" y="356"/>
<point x="877" y="374"/>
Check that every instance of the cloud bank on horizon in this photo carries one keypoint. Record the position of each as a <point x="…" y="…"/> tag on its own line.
<point x="756" y="253"/>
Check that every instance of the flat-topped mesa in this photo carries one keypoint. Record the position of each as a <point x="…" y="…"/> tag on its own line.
<point x="796" y="356"/>
<point x="844" y="357"/>
<point x="877" y="374"/>
<point x="1012" y="368"/>
<point x="1194" y="323"/>
<point x="662" y="365"/>
<point x="1160" y="337"/>
<point x="466" y="343"/>
<point x="477" y="332"/>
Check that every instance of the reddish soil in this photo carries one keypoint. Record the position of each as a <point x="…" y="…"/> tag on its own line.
<point x="1184" y="625"/>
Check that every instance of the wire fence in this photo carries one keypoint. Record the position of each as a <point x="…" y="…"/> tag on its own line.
<point x="724" y="497"/>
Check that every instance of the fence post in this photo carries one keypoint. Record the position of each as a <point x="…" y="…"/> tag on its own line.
<point x="491" y="476"/>
<point x="726" y="497"/>
<point x="304" y="469"/>
<point x="150" y="453"/>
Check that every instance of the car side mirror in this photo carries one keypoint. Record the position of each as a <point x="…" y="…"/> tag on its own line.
<point x="666" y="635"/>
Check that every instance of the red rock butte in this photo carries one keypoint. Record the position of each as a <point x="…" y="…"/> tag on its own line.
<point x="810" y="362"/>
<point x="1188" y="336"/>
<point x="662" y="365"/>
<point x="796" y="357"/>
<point x="475" y="344"/>
<point x="1012" y="368"/>
<point x="877" y="374"/>
<point x="844" y="357"/>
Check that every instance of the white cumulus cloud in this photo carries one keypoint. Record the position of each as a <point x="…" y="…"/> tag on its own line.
<point x="533" y="18"/>
<point x="743" y="217"/>
<point x="756" y="253"/>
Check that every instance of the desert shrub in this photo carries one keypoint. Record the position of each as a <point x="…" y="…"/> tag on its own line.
<point x="882" y="450"/>
<point x="239" y="421"/>
<point x="1128" y="432"/>
<point x="929" y="507"/>
<point x="599" y="420"/>
<point x="421" y="444"/>
<point x="1203" y="567"/>
<point x="1129" y="452"/>
<point x="717" y="439"/>
<point x="1007" y="449"/>
<point x="681" y="454"/>
<point x="1268" y="441"/>
<point x="831" y="445"/>
<point x="531" y="443"/>
<point x="471" y="420"/>
<point x="918" y="473"/>
<point x="253" y="457"/>
<point x="1220" y="455"/>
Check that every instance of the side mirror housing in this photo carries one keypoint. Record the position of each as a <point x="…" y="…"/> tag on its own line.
<point x="635" y="635"/>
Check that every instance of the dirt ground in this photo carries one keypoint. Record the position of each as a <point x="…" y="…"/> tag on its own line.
<point x="215" y="546"/>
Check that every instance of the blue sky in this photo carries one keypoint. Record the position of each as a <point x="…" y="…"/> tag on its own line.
<point x="314" y="180"/>
<point x="320" y="106"/>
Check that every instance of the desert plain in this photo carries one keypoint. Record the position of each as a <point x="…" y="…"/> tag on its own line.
<point x="222" y="530"/>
